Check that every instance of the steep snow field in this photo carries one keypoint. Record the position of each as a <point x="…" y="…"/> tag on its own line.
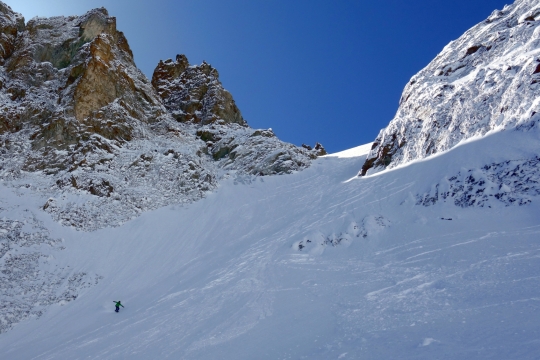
<point x="314" y="265"/>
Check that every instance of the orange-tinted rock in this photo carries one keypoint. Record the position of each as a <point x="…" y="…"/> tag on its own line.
<point x="97" y="86"/>
<point x="73" y="77"/>
<point x="75" y="108"/>
<point x="194" y="94"/>
<point x="11" y="23"/>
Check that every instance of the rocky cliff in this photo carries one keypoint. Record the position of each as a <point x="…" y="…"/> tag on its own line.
<point x="487" y="80"/>
<point x="194" y="96"/>
<point x="78" y="117"/>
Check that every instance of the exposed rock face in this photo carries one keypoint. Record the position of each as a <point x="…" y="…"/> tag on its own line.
<point x="319" y="149"/>
<point x="77" y="110"/>
<point x="195" y="96"/>
<point x="255" y="152"/>
<point x="73" y="77"/>
<point x="488" y="79"/>
<point x="194" y="93"/>
<point x="82" y="125"/>
<point x="11" y="23"/>
<point x="79" y="116"/>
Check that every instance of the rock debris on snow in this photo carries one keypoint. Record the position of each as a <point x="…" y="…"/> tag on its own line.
<point x="31" y="281"/>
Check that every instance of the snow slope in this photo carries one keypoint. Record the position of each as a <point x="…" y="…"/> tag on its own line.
<point x="318" y="264"/>
<point x="354" y="152"/>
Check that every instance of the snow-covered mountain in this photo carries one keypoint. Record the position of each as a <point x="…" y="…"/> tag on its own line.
<point x="487" y="80"/>
<point x="436" y="257"/>
<point x="79" y="118"/>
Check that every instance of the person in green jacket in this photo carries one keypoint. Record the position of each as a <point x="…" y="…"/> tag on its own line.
<point x="117" y="304"/>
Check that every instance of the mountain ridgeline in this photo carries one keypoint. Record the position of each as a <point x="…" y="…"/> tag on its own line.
<point x="78" y="117"/>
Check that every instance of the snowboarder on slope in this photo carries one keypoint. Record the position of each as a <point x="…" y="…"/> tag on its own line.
<point x="117" y="304"/>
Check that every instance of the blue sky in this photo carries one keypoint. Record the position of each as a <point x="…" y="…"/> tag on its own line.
<point x="312" y="70"/>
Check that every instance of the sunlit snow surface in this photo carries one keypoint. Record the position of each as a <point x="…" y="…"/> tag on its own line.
<point x="361" y="150"/>
<point x="380" y="277"/>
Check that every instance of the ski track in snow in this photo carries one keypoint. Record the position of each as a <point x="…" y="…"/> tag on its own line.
<point x="221" y="278"/>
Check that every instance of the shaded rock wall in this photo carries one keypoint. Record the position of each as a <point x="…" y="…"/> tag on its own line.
<point x="11" y="23"/>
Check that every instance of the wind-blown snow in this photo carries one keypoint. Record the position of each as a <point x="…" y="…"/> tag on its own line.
<point x="380" y="278"/>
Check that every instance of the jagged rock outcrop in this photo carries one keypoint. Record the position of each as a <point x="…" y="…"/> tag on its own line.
<point x="11" y="23"/>
<point x="194" y="93"/>
<point x="488" y="79"/>
<point x="255" y="152"/>
<point x="319" y="149"/>
<point x="78" y="78"/>
<point x="79" y="117"/>
<point x="195" y="96"/>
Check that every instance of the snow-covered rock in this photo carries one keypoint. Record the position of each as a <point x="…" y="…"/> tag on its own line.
<point x="79" y="118"/>
<point x="487" y="80"/>
<point x="194" y="96"/>
<point x="514" y="182"/>
<point x="11" y="23"/>
<point x="318" y="264"/>
<point x="31" y="281"/>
